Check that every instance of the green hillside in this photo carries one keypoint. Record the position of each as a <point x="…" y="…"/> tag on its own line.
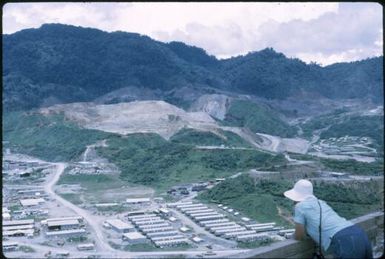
<point x="322" y="121"/>
<point x="48" y="137"/>
<point x="359" y="126"/>
<point x="257" y="118"/>
<point x="150" y="160"/>
<point x="260" y="200"/>
<point x="204" y="138"/>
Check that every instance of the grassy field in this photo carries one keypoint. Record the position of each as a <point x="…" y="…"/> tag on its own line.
<point x="101" y="188"/>
<point x="72" y="197"/>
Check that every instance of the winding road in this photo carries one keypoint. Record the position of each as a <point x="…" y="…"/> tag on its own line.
<point x="94" y="227"/>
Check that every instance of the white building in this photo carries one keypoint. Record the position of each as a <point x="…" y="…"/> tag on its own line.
<point x="18" y="232"/>
<point x="159" y="229"/>
<point x="245" y="219"/>
<point x="63" y="224"/>
<point x="80" y="218"/>
<point x="165" y="243"/>
<point x="159" y="225"/>
<point x="148" y="222"/>
<point x="10" y="246"/>
<point x="162" y="233"/>
<point x="163" y="238"/>
<point x="31" y="202"/>
<point x="120" y="226"/>
<point x="83" y="247"/>
<point x="165" y="212"/>
<point x="18" y="222"/>
<point x="205" y="222"/>
<point x="172" y="219"/>
<point x="184" y="229"/>
<point x="6" y="216"/>
<point x="197" y="239"/>
<point x="222" y="224"/>
<point x="134" y="238"/>
<point x="200" y="218"/>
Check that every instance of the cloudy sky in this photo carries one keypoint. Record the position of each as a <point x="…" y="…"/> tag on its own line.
<point x="320" y="32"/>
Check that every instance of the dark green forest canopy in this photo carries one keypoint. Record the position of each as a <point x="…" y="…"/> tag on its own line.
<point x="70" y="64"/>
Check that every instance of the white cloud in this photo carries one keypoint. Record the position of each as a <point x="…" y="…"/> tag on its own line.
<point x="327" y="32"/>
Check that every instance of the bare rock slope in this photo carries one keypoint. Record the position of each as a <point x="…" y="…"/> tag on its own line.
<point x="134" y="117"/>
<point x="214" y="104"/>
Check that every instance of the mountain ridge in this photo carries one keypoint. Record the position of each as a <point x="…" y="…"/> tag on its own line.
<point x="64" y="63"/>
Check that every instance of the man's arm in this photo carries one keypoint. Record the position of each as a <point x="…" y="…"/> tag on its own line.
<point x="299" y="231"/>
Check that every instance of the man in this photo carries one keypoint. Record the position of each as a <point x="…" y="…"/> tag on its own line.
<point x="338" y="236"/>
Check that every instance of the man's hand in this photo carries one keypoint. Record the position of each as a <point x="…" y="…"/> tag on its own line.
<point x="299" y="233"/>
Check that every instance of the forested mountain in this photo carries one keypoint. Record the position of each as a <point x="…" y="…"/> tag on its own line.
<point x="60" y="63"/>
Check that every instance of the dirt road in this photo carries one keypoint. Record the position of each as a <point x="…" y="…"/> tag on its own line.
<point x="95" y="227"/>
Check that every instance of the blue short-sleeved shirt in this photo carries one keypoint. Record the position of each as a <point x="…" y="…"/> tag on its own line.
<point x="307" y="213"/>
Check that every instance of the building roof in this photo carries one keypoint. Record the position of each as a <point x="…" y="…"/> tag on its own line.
<point x="142" y="216"/>
<point x="136" y="200"/>
<point x="62" y="222"/>
<point x="64" y="218"/>
<point x="136" y="212"/>
<point x="10" y="243"/>
<point x="119" y="224"/>
<point x="106" y="204"/>
<point x="260" y="224"/>
<point x="9" y="228"/>
<point x="133" y="235"/>
<point x="158" y="225"/>
<point x="6" y="215"/>
<point x="197" y="239"/>
<point x="172" y="219"/>
<point x="161" y="238"/>
<point x="18" y="231"/>
<point x="31" y="202"/>
<point x="163" y="210"/>
<point x="18" y="222"/>
<point x="89" y="245"/>
<point x="184" y="229"/>
<point x="173" y="241"/>
<point x="163" y="233"/>
<point x="159" y="229"/>
<point x="149" y="222"/>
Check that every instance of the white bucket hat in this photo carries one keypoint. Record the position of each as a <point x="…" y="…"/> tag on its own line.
<point x="301" y="190"/>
